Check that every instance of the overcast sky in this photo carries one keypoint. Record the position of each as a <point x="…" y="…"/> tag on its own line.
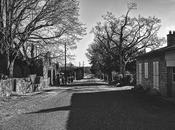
<point x="92" y="10"/>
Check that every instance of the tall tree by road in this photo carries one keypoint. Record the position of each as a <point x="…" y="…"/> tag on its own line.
<point x="128" y="36"/>
<point x="39" y="22"/>
<point x="102" y="54"/>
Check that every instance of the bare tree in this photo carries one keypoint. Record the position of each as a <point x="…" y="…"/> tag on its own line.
<point x="36" y="22"/>
<point x="129" y="36"/>
<point x="102" y="58"/>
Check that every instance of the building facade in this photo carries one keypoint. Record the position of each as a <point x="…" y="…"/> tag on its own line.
<point x="156" y="69"/>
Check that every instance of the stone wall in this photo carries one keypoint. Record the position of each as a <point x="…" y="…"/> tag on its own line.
<point x="6" y="87"/>
<point x="22" y="85"/>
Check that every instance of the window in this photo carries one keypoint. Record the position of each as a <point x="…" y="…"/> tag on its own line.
<point x="146" y="70"/>
<point x="173" y="74"/>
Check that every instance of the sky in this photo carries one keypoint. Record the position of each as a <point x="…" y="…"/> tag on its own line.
<point x="92" y="10"/>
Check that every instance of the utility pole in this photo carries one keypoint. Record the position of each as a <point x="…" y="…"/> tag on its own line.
<point x="65" y="74"/>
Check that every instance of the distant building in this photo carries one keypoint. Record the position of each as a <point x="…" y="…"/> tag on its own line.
<point x="156" y="69"/>
<point x="79" y="73"/>
<point x="72" y="72"/>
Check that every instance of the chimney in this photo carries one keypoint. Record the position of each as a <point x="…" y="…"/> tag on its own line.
<point x="171" y="38"/>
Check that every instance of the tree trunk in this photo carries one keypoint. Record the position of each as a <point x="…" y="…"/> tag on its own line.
<point x="32" y="51"/>
<point x="11" y="68"/>
<point x="10" y="65"/>
<point x="124" y="69"/>
<point x="109" y="77"/>
<point x="121" y="65"/>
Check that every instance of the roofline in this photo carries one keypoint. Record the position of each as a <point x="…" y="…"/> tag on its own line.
<point x="157" y="51"/>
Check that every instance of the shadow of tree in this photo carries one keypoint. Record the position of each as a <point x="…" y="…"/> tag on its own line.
<point x="84" y="84"/>
<point x="96" y="111"/>
<point x="115" y="110"/>
<point x="119" y="110"/>
<point x="52" y="110"/>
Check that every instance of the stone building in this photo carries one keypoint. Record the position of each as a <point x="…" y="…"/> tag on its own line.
<point x="50" y="70"/>
<point x="156" y="69"/>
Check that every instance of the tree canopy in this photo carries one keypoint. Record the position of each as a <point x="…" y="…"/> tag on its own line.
<point x="30" y="24"/>
<point x="123" y="39"/>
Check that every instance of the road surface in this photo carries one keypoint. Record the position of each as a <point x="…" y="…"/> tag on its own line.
<point x="92" y="105"/>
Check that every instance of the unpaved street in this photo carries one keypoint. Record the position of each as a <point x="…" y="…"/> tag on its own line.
<point x="92" y="105"/>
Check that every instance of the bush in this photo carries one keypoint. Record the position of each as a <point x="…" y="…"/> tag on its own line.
<point x="119" y="80"/>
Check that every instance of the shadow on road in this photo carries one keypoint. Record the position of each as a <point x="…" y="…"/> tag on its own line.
<point x="117" y="110"/>
<point x="52" y="110"/>
<point x="85" y="84"/>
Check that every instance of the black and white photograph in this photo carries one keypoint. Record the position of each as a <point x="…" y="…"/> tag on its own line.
<point x="87" y="64"/>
